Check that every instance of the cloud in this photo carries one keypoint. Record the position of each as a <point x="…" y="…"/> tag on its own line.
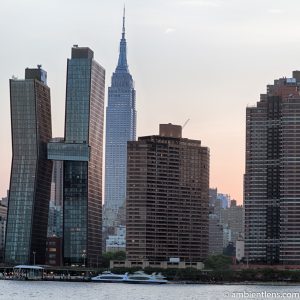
<point x="200" y="3"/>
<point x="169" y="30"/>
<point x="275" y="11"/>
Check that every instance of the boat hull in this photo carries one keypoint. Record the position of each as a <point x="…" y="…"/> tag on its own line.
<point x="107" y="280"/>
<point x="144" y="281"/>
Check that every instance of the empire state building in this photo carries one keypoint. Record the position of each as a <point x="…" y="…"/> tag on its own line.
<point x="120" y="128"/>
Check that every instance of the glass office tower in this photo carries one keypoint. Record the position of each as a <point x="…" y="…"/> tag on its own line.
<point x="30" y="182"/>
<point x="82" y="155"/>
<point x="120" y="128"/>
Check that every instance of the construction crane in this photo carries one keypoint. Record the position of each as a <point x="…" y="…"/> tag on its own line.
<point x="185" y="123"/>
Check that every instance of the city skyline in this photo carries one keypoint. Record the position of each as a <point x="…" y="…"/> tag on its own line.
<point x="193" y="54"/>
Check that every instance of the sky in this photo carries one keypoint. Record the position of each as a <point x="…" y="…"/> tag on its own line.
<point x="203" y="60"/>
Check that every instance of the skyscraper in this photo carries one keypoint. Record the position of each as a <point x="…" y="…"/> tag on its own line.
<point x="82" y="152"/>
<point x="120" y="128"/>
<point x="272" y="178"/>
<point x="30" y="182"/>
<point x="167" y="198"/>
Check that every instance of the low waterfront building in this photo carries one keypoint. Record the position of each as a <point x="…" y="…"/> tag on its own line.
<point x="156" y="264"/>
<point x="54" y="251"/>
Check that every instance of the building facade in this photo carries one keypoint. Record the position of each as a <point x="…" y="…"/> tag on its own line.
<point x="239" y="249"/>
<point x="227" y="236"/>
<point x="215" y="235"/>
<point x="3" y="219"/>
<point x="272" y="177"/>
<point x="120" y="128"/>
<point x="4" y="200"/>
<point x="217" y="202"/>
<point x="82" y="153"/>
<point x="30" y="182"/>
<point x="117" y="241"/>
<point x="55" y="220"/>
<point x="53" y="251"/>
<point x="213" y="193"/>
<point x="167" y="198"/>
<point x="232" y="218"/>
<point x="57" y="179"/>
<point x="224" y="200"/>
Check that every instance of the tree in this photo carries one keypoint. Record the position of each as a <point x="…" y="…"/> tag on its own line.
<point x="119" y="255"/>
<point x="108" y="256"/>
<point x="229" y="250"/>
<point x="218" y="262"/>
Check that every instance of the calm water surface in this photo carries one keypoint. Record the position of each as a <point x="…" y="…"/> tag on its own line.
<point x="20" y="290"/>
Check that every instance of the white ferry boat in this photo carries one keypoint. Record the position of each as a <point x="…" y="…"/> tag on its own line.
<point x="142" y="277"/>
<point x="107" y="276"/>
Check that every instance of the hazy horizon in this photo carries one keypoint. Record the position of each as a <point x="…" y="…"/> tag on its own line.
<point x="191" y="59"/>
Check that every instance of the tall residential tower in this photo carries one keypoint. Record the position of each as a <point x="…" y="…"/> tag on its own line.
<point x="120" y="128"/>
<point x="167" y="198"/>
<point x="272" y="178"/>
<point x="30" y="180"/>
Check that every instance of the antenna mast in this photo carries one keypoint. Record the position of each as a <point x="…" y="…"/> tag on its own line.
<point x="185" y="123"/>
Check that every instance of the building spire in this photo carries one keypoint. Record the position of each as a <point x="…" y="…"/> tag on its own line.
<point x="123" y="29"/>
<point x="122" y="62"/>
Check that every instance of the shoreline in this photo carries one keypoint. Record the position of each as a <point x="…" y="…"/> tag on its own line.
<point x="226" y="283"/>
<point x="284" y="283"/>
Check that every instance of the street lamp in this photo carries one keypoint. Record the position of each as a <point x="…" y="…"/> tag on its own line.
<point x="33" y="257"/>
<point x="84" y="257"/>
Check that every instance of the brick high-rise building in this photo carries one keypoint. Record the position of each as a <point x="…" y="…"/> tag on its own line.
<point x="53" y="251"/>
<point x="167" y="197"/>
<point x="272" y="178"/>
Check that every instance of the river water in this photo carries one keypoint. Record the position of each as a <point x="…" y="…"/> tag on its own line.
<point x="47" y="290"/>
